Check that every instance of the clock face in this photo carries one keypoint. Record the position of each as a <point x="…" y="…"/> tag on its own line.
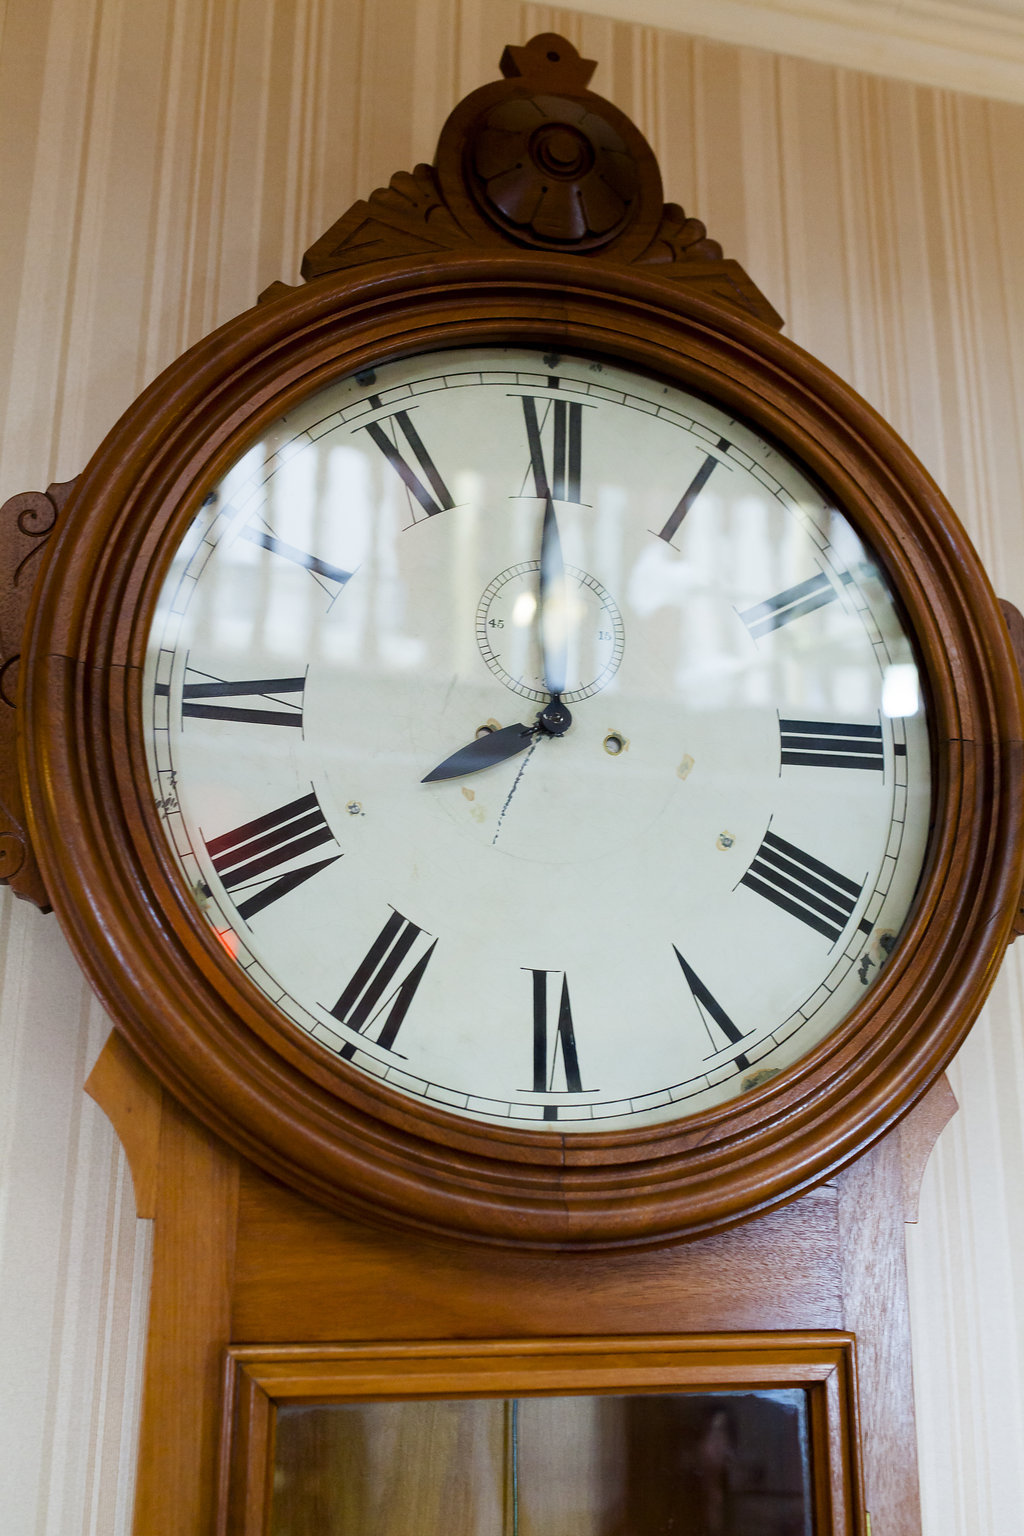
<point x="677" y="767"/>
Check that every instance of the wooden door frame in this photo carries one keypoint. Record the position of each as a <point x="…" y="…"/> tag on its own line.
<point x="260" y="1379"/>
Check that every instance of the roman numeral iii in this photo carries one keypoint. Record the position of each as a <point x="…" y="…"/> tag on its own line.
<point x="826" y="744"/>
<point x="802" y="886"/>
<point x="366" y="998"/>
<point x="254" y="857"/>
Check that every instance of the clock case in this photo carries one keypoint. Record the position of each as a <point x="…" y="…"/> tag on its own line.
<point x="543" y="224"/>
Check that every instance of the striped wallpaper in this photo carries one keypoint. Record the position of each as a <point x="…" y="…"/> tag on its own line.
<point x="161" y="161"/>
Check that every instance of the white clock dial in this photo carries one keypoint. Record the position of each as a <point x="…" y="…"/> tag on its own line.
<point x="618" y="924"/>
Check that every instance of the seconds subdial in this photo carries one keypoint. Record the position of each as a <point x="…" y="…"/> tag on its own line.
<point x="508" y="638"/>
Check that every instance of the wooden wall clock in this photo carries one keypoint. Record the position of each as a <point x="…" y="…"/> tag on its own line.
<point x="524" y="754"/>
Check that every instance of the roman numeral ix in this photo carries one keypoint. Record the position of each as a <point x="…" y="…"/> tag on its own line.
<point x="560" y="481"/>
<point x="203" y="700"/>
<point x="826" y="744"/>
<point x="366" y="997"/>
<point x="802" y="886"/>
<point x="254" y="856"/>
<point x="429" y="491"/>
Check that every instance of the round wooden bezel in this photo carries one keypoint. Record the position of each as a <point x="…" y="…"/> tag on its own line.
<point x="217" y="1043"/>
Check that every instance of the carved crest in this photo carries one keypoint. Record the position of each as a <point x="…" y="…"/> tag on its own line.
<point x="539" y="162"/>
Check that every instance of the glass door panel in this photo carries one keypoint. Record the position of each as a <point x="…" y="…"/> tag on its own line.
<point x="680" y="1464"/>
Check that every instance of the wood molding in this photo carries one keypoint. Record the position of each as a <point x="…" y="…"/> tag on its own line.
<point x="918" y="1135"/>
<point x="976" y="47"/>
<point x="132" y="1100"/>
<point x="824" y="1364"/>
<point x="189" y="1328"/>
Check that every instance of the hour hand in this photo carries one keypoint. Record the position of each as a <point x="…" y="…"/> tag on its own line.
<point x="484" y="752"/>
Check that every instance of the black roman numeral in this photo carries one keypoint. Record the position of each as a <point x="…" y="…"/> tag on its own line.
<point x="433" y="496"/>
<point x="825" y="744"/>
<point x="565" y="417"/>
<point x="254" y="855"/>
<point x="691" y="493"/>
<point x="711" y="1009"/>
<point x="546" y="1049"/>
<point x="789" y="605"/>
<point x="198" y="699"/>
<point x="804" y="887"/>
<point x="331" y="577"/>
<point x="364" y="1001"/>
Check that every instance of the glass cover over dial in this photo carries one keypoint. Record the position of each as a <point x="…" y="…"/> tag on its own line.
<point x="541" y="739"/>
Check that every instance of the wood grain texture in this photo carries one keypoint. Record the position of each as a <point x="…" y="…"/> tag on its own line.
<point x="163" y="163"/>
<point x="875" y="1307"/>
<point x="132" y="1100"/>
<point x="821" y="1363"/>
<point x="189" y="1328"/>
<point x="918" y="1134"/>
<point x="305" y="1273"/>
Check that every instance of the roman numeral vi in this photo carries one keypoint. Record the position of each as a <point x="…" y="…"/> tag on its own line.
<point x="547" y="1045"/>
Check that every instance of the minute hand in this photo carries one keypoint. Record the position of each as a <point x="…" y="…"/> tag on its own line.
<point x="554" y="640"/>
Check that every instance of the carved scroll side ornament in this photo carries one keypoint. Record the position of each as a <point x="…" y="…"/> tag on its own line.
<point x="682" y="251"/>
<point x="1015" y="624"/>
<point x="537" y="161"/>
<point x="26" y="522"/>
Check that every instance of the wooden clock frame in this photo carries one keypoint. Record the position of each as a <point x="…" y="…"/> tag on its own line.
<point x="307" y="1217"/>
<point x="195" y="1018"/>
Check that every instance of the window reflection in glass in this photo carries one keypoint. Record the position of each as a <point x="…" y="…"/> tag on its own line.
<point x="686" y="1464"/>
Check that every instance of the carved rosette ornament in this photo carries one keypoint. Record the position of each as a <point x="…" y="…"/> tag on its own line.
<point x="552" y="172"/>
<point x="537" y="161"/>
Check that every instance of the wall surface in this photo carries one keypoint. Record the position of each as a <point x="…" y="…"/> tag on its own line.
<point x="162" y="161"/>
